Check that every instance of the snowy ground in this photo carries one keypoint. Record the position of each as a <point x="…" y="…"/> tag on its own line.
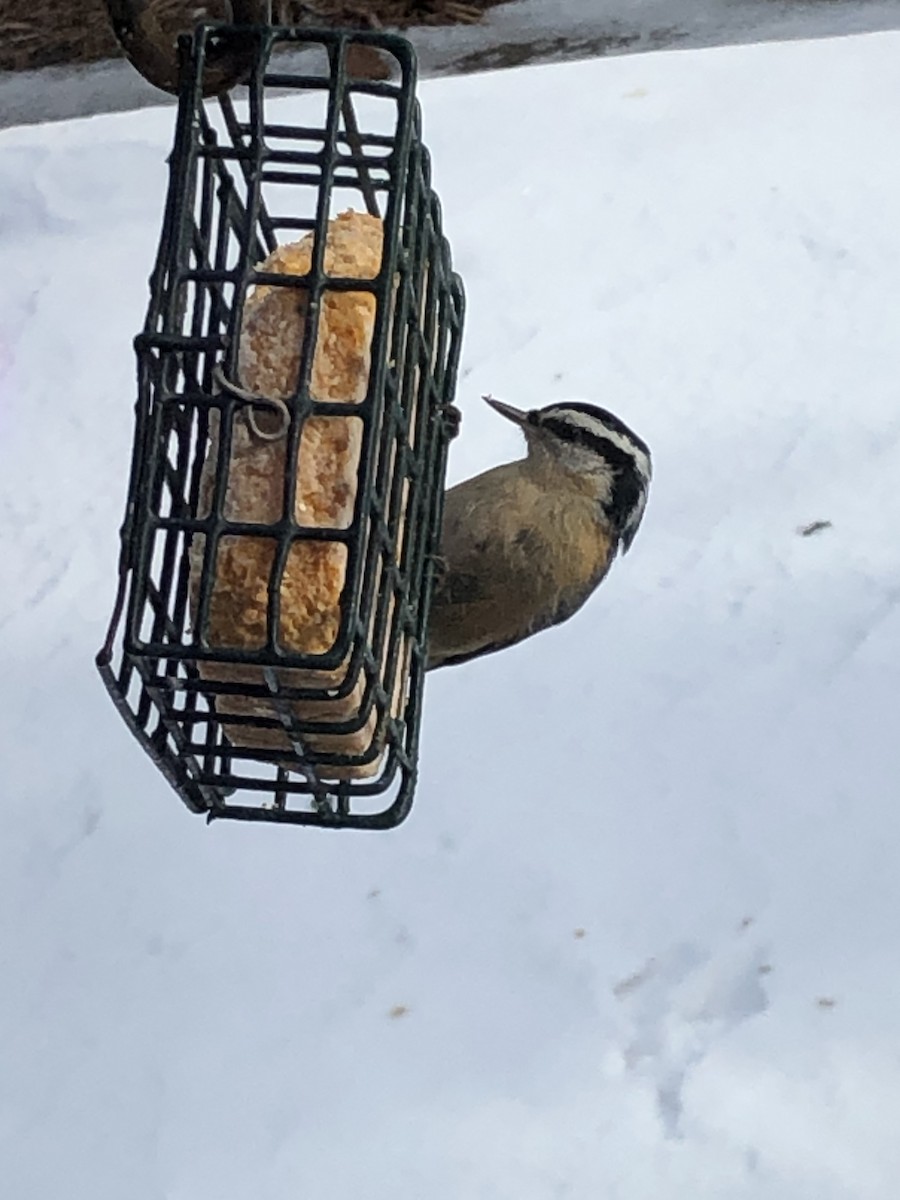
<point x="638" y="938"/>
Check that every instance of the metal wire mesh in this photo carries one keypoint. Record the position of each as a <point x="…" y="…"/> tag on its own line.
<point x="261" y="728"/>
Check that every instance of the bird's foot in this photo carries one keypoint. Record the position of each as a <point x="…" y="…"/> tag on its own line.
<point x="438" y="569"/>
<point x="452" y="420"/>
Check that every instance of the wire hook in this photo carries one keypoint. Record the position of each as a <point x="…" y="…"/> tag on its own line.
<point x="255" y="399"/>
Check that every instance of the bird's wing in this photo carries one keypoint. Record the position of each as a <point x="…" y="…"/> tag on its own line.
<point x="469" y="610"/>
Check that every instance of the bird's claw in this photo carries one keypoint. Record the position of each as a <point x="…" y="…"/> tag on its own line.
<point x="438" y="568"/>
<point x="452" y="420"/>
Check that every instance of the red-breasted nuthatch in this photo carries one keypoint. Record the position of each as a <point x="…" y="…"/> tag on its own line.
<point x="525" y="544"/>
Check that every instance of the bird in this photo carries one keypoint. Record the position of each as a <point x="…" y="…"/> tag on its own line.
<point x="524" y="544"/>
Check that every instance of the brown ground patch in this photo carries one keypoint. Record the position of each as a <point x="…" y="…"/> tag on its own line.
<point x="47" y="33"/>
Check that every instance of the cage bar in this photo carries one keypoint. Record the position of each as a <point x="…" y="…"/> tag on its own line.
<point x="249" y="712"/>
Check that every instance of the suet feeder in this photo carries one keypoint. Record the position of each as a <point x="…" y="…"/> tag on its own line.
<point x="296" y="374"/>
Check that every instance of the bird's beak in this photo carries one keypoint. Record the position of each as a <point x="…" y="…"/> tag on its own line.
<point x="517" y="415"/>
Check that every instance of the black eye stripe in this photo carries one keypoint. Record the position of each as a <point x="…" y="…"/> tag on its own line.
<point x="623" y="505"/>
<point x="553" y="418"/>
<point x="566" y="431"/>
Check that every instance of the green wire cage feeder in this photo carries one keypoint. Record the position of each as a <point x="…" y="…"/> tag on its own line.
<point x="296" y="374"/>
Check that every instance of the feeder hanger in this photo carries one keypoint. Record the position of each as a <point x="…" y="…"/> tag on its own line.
<point x="151" y="45"/>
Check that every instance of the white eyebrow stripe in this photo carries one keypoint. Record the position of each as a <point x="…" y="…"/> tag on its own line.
<point x="597" y="427"/>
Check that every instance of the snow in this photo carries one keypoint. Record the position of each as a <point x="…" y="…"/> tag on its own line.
<point x="638" y="936"/>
